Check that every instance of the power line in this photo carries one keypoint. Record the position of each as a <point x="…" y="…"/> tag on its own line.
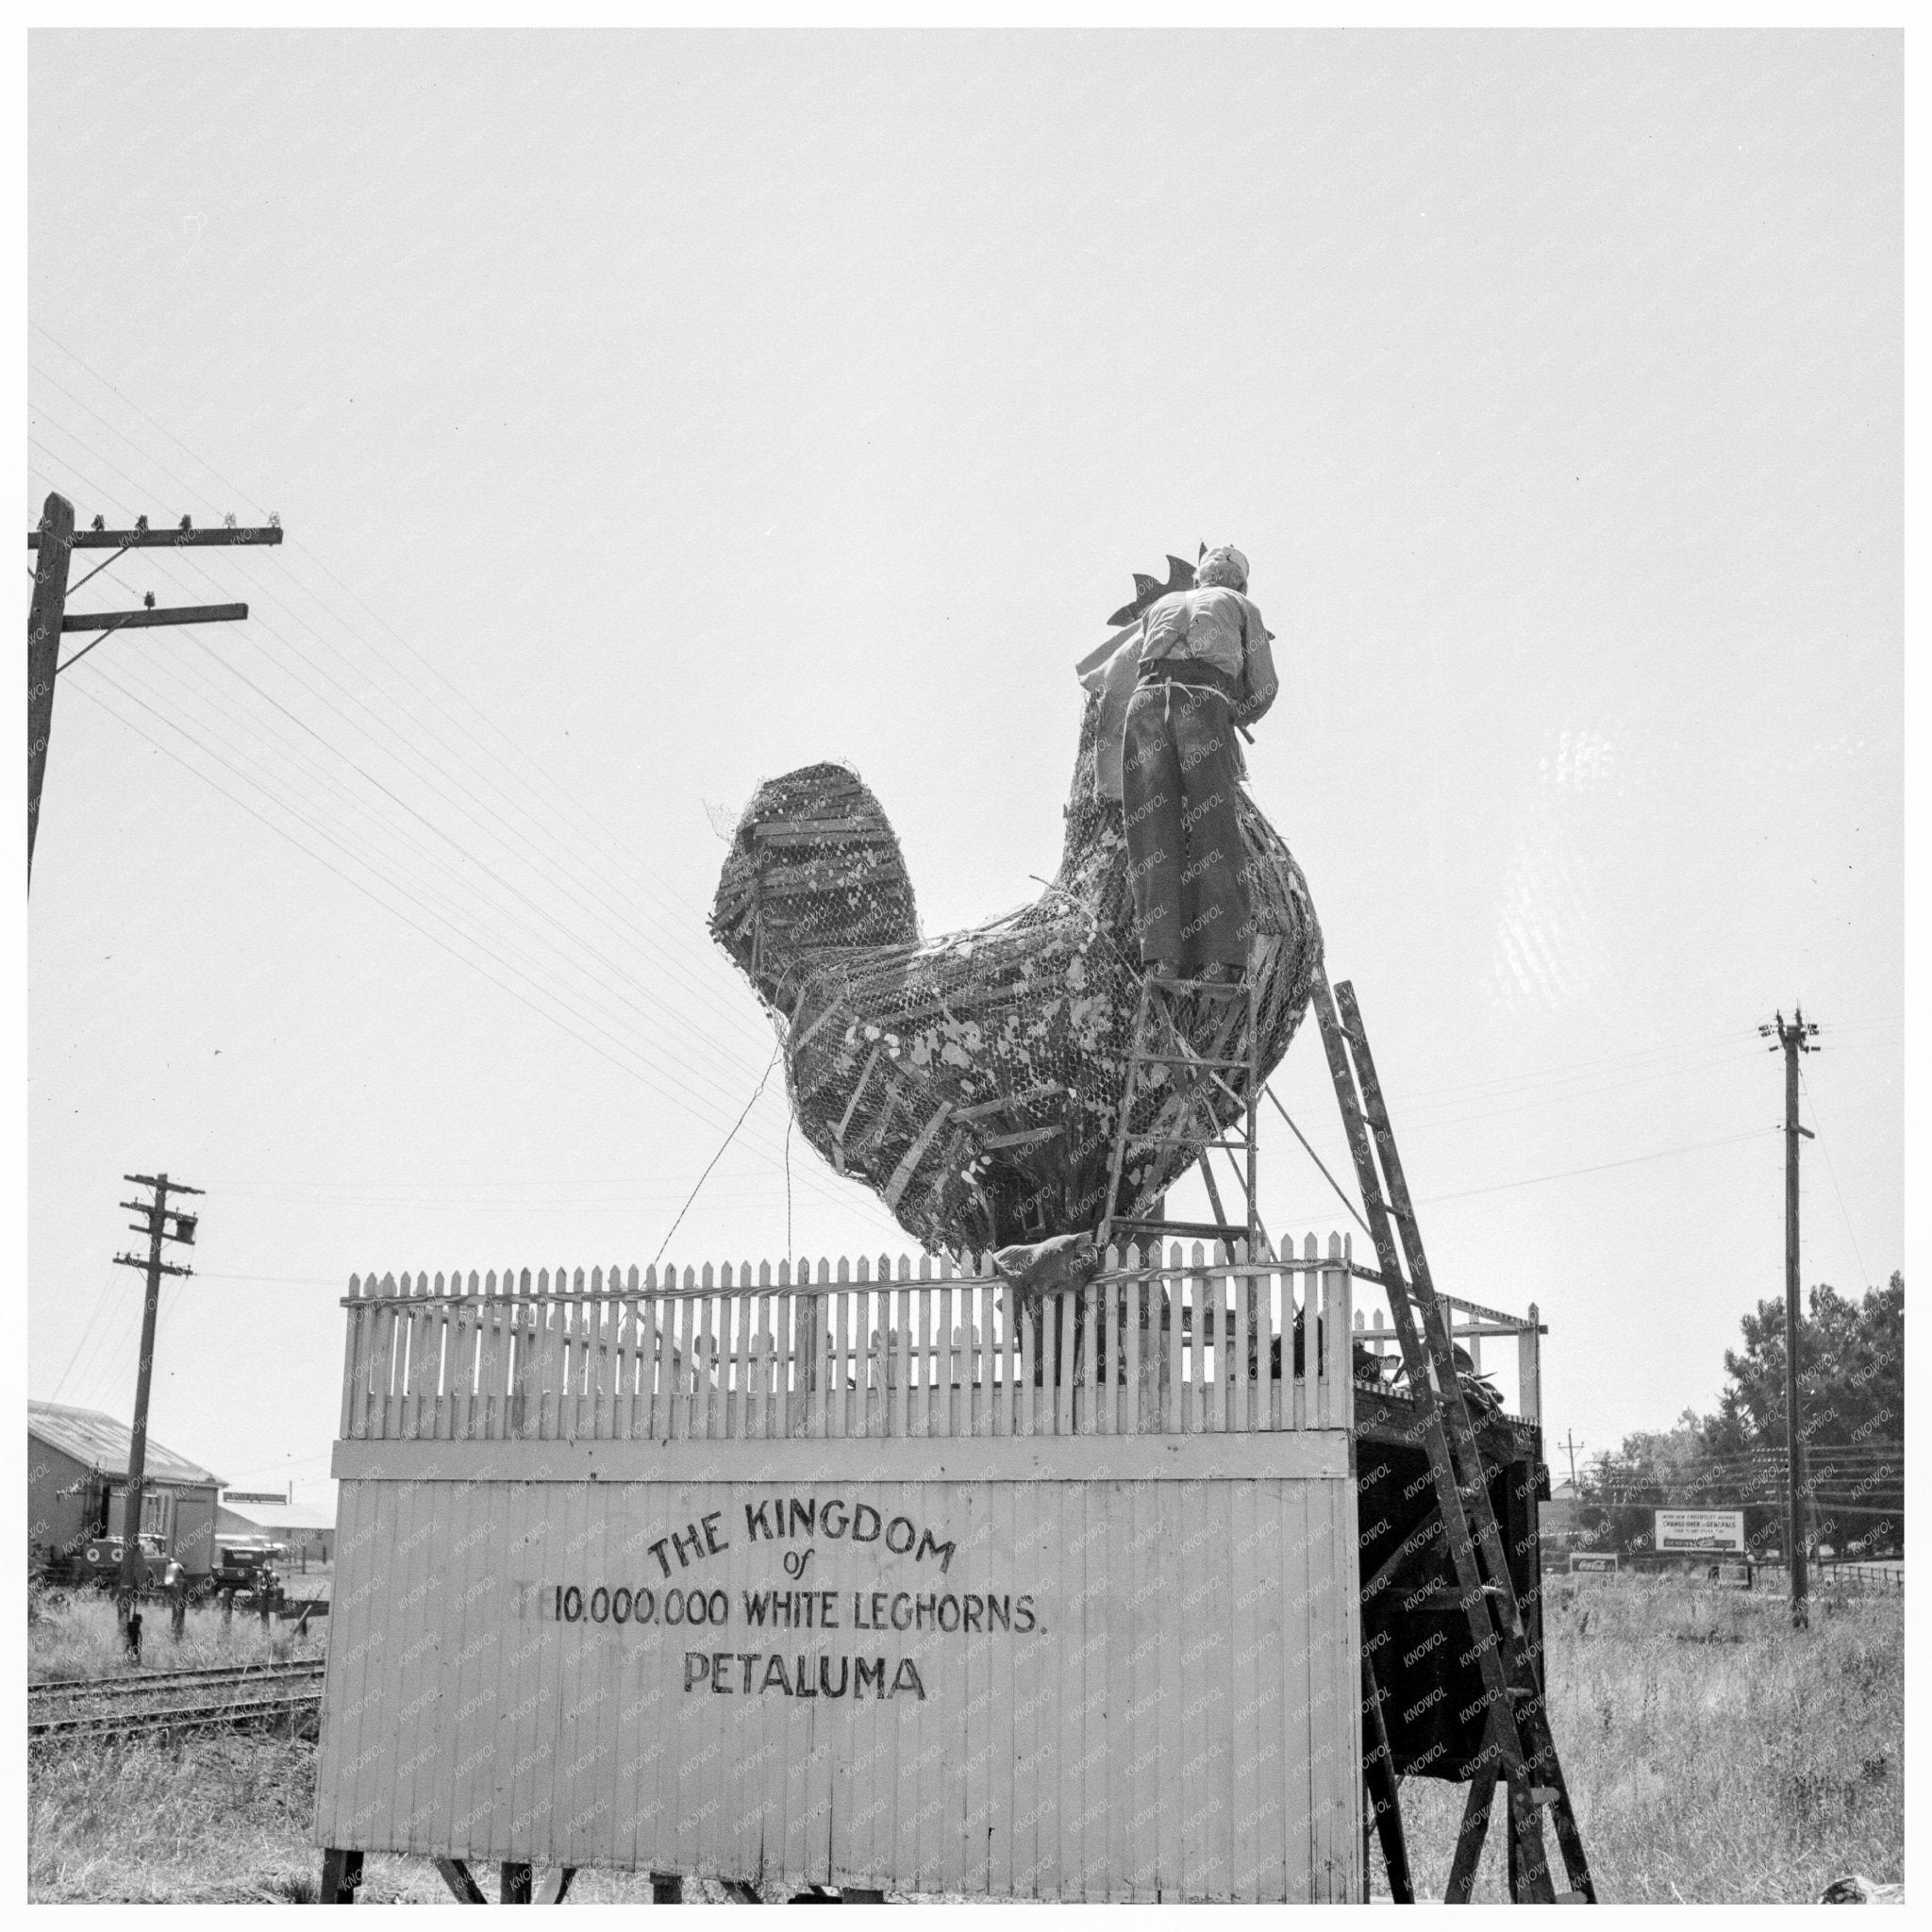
<point x="176" y="726"/>
<point x="720" y="1155"/>
<point x="680" y="1097"/>
<point x="1600" y="1167"/>
<point x="100" y="1306"/>
<point x="1831" y="1169"/>
<point x="650" y="940"/>
<point x="548" y="991"/>
<point x="576" y="832"/>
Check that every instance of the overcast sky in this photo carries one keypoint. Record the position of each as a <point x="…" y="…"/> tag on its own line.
<point x="651" y="414"/>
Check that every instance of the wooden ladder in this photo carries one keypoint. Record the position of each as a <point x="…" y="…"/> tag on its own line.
<point x="1198" y="1081"/>
<point x="1517" y="1746"/>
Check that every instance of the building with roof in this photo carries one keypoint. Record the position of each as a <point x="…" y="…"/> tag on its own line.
<point x="308" y="1533"/>
<point x="76" y="1464"/>
<point x="1557" y="1519"/>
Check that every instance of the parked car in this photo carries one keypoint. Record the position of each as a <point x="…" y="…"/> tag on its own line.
<point x="98" y="1561"/>
<point x="246" y="1564"/>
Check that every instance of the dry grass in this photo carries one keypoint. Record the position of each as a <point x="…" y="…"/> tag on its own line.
<point x="1712" y="1756"/>
<point x="78" y="1636"/>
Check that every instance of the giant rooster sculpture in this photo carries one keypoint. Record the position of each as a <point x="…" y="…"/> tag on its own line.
<point x="976" y="1081"/>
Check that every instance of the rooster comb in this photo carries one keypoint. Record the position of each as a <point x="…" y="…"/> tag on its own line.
<point x="1180" y="576"/>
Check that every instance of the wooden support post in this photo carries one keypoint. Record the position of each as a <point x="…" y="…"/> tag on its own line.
<point x="667" y="1889"/>
<point x="1383" y="1791"/>
<point x="1468" y="1840"/>
<point x="456" y="1875"/>
<point x="341" y="1874"/>
<point x="555" y="1886"/>
<point x="1529" y="1378"/>
<point x="513" y="1885"/>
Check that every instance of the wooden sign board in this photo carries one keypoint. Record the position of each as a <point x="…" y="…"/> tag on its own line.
<point x="1594" y="1562"/>
<point x="1079" y="1665"/>
<point x="1699" y="1529"/>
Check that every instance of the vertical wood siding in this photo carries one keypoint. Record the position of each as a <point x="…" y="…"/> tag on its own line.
<point x="1084" y="1685"/>
<point x="1180" y="1722"/>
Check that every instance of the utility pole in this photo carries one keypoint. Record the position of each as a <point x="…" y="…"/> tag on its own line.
<point x="44" y="615"/>
<point x="1569" y="1442"/>
<point x="156" y="1226"/>
<point x="48" y="621"/>
<point x="1792" y="1040"/>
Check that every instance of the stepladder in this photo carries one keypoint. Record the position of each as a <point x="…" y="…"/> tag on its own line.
<point x="1518" y="1752"/>
<point x="1192" y="1084"/>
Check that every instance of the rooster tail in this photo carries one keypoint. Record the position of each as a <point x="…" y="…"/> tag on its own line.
<point x="814" y="868"/>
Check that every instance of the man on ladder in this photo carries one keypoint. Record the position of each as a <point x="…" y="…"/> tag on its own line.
<point x="1204" y="669"/>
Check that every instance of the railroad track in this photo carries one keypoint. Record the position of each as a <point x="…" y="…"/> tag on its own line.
<point x="173" y="1700"/>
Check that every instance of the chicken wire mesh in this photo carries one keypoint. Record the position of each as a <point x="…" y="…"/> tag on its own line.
<point x="975" y="1081"/>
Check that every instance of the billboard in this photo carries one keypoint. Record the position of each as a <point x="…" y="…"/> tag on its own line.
<point x="1700" y="1530"/>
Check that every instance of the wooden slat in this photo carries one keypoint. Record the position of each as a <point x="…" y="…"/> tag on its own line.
<point x="391" y="1346"/>
<point x="1248" y="1359"/>
<point x="466" y="1337"/>
<point x="902" y="1352"/>
<point x="601" y="1391"/>
<point x="683" y="1325"/>
<point x="1085" y="1313"/>
<point x="918" y="1420"/>
<point x="823" y="1312"/>
<point x="485" y="1402"/>
<point x="431" y="1402"/>
<point x="578" y="1412"/>
<point x="409" y="1358"/>
<point x="984" y="1392"/>
<point x="1308" y="1385"/>
<point x="1175" y="1419"/>
<point x="1065" y="1337"/>
<point x="784" y="1322"/>
<point x="1338" y="1402"/>
<point x="762" y="1351"/>
<point x="1197" y="1290"/>
<point x="453" y="1330"/>
<point x="352" y="1359"/>
<point x="428" y="1381"/>
<point x="737" y="1350"/>
<point x="696" y="1380"/>
<point x="942" y="1412"/>
<point x="741" y="1313"/>
<point x="1025" y="1321"/>
<point x="868" y="1339"/>
<point x="701" y="1348"/>
<point x="625" y="1422"/>
<point x="649" y="1410"/>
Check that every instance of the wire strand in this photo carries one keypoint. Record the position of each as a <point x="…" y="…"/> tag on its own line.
<point x="720" y="1155"/>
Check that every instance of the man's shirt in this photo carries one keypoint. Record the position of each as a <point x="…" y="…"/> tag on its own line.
<point x="1218" y="627"/>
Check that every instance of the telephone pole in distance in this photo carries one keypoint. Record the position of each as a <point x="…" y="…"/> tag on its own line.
<point x="1792" y="1041"/>
<point x="156" y="1226"/>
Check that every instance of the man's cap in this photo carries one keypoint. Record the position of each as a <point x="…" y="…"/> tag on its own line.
<point x="1224" y="553"/>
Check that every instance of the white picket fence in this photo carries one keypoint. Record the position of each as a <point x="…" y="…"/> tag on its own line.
<point x="1152" y="1346"/>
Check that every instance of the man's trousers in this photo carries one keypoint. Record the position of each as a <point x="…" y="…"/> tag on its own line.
<point x="1184" y="841"/>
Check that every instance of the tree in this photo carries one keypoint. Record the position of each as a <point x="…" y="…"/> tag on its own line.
<point x="1654" y="1469"/>
<point x="1851" y="1387"/>
<point x="1851" y="1373"/>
